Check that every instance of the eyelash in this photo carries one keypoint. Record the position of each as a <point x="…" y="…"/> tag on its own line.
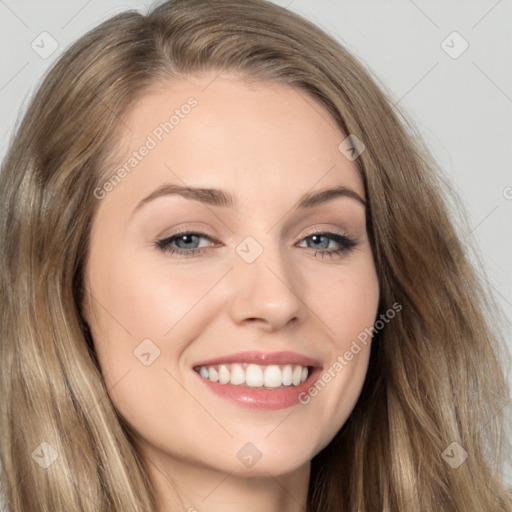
<point x="346" y="242"/>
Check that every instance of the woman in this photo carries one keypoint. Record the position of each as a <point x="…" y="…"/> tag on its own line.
<point x="323" y="347"/>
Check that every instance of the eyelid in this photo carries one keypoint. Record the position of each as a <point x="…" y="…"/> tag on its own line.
<point x="189" y="229"/>
<point x="327" y="231"/>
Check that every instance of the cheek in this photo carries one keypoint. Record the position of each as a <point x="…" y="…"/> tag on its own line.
<point x="146" y="313"/>
<point x="347" y="305"/>
<point x="141" y="312"/>
<point x="150" y="300"/>
<point x="345" y="299"/>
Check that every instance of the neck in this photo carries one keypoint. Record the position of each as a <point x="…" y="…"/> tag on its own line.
<point x="191" y="488"/>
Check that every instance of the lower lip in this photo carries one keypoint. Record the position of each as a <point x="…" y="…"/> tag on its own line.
<point x="262" y="399"/>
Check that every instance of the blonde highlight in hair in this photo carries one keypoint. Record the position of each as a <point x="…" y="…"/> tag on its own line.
<point x="434" y="376"/>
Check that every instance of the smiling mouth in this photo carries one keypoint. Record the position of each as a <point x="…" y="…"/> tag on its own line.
<point x="251" y="375"/>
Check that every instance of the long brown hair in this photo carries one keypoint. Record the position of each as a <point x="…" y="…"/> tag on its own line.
<point x="434" y="377"/>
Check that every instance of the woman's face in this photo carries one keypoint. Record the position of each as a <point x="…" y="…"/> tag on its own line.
<point x="219" y="276"/>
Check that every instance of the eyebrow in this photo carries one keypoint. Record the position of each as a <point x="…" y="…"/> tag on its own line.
<point x="216" y="197"/>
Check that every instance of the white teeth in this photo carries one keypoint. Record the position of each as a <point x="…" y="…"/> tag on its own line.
<point x="213" y="375"/>
<point x="237" y="375"/>
<point x="297" y="375"/>
<point x="224" y="375"/>
<point x="254" y="375"/>
<point x="272" y="376"/>
<point x="287" y="375"/>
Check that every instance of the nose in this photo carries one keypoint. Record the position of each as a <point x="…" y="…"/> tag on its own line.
<point x="266" y="292"/>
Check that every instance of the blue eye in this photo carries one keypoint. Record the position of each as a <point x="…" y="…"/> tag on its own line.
<point x="183" y="244"/>
<point x="321" y="242"/>
<point x="188" y="243"/>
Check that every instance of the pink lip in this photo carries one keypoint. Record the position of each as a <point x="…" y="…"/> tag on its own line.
<point x="257" y="398"/>
<point x="262" y="358"/>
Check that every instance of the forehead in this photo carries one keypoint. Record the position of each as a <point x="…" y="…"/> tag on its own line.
<point x="225" y="131"/>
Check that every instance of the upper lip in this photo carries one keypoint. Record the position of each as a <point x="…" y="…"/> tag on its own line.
<point x="262" y="358"/>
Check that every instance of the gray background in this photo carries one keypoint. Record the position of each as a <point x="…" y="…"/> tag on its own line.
<point x="460" y="102"/>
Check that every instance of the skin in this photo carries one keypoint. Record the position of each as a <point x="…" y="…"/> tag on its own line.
<point x="266" y="144"/>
